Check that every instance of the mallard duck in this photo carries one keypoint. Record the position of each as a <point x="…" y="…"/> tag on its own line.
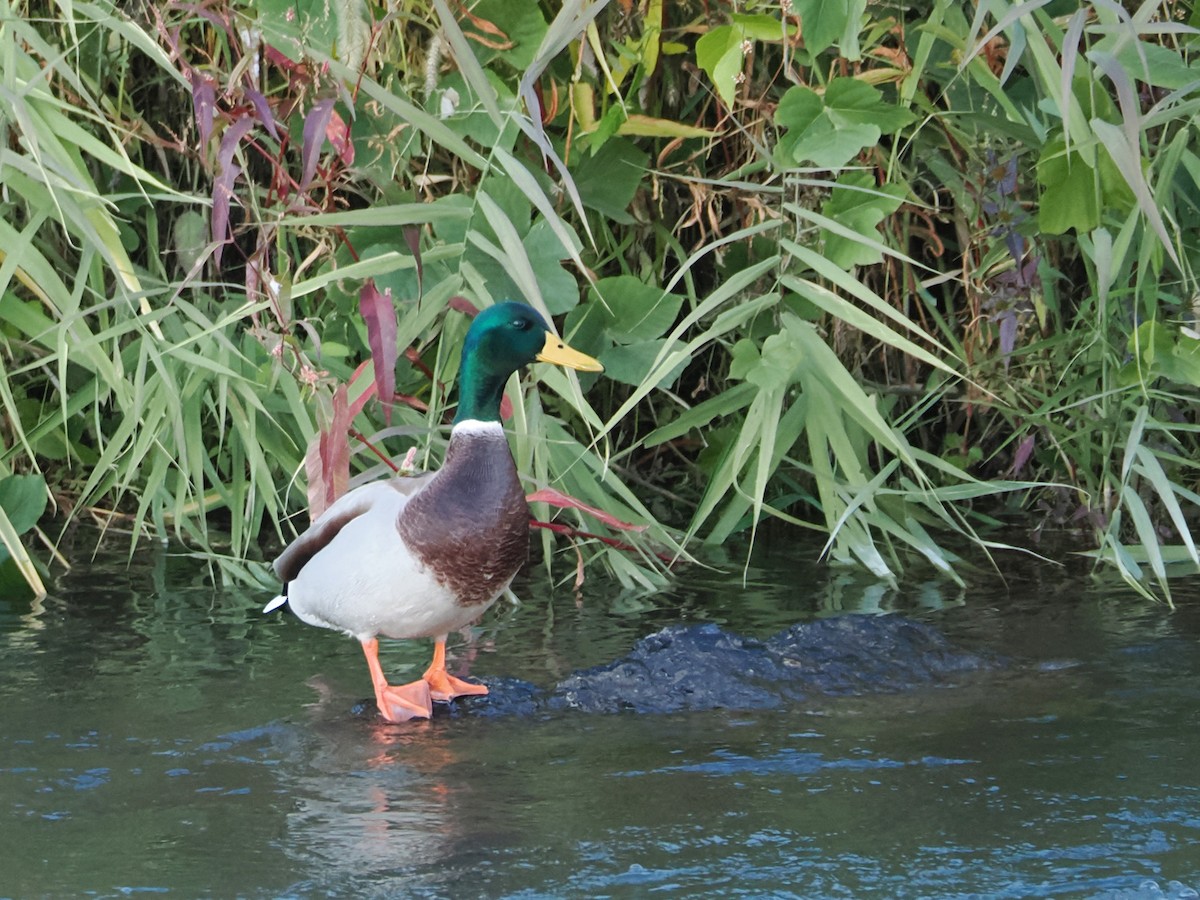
<point x="410" y="561"/>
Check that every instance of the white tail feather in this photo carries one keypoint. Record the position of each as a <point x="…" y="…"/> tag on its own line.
<point x="275" y="604"/>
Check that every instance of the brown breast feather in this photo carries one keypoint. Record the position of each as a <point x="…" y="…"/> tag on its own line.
<point x="470" y="526"/>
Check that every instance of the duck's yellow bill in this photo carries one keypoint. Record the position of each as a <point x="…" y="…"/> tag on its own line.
<point x="557" y="352"/>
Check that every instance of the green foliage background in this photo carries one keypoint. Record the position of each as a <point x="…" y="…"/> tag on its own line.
<point x="889" y="272"/>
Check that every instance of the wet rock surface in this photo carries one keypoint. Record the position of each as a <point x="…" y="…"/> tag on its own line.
<point x="704" y="667"/>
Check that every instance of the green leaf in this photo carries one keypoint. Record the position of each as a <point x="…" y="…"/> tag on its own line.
<point x="761" y="27"/>
<point x="776" y="368"/>
<point x="1069" y="191"/>
<point x="744" y="358"/>
<point x="648" y="126"/>
<point x="294" y="24"/>
<point x="853" y="102"/>
<point x="719" y="50"/>
<point x="23" y="499"/>
<point x="822" y="22"/>
<point x="1159" y="351"/>
<point x="1151" y="63"/>
<point x="631" y="363"/>
<point x="719" y="53"/>
<point x="608" y="180"/>
<point x="702" y="414"/>
<point x="831" y="130"/>
<point x="546" y="254"/>
<point x="633" y="311"/>
<point x="521" y="22"/>
<point x="859" y="204"/>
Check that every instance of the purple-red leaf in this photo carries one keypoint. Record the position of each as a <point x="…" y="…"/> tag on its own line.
<point x="223" y="184"/>
<point x="463" y="305"/>
<point x="315" y="126"/>
<point x="1024" y="451"/>
<point x="379" y="313"/>
<point x="204" y="104"/>
<point x="263" y="108"/>
<point x="1008" y="334"/>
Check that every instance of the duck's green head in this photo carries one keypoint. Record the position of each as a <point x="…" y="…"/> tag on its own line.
<point x="502" y="339"/>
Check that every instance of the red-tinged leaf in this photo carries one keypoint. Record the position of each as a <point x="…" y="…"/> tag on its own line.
<point x="204" y="104"/>
<point x="501" y="40"/>
<point x="315" y="125"/>
<point x="578" y="565"/>
<point x="333" y="466"/>
<point x="557" y="498"/>
<point x="223" y="183"/>
<point x="338" y="134"/>
<point x="568" y="531"/>
<point x="316" y="479"/>
<point x="414" y="357"/>
<point x="412" y="236"/>
<point x="357" y="404"/>
<point x="1024" y="451"/>
<point x="379" y="312"/>
<point x="415" y="402"/>
<point x="463" y="305"/>
<point x="277" y="57"/>
<point x="505" y="408"/>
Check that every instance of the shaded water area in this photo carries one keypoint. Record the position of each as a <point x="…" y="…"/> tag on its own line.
<point x="159" y="735"/>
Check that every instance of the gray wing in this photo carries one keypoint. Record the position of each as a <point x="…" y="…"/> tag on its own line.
<point x="345" y="509"/>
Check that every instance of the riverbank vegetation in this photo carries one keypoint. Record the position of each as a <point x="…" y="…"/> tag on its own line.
<point x="893" y="273"/>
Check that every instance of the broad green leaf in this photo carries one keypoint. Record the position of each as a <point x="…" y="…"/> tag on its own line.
<point x="822" y="22"/>
<point x="858" y="204"/>
<point x="23" y="499"/>
<point x="520" y="22"/>
<point x="762" y="27"/>
<point x="608" y="180"/>
<point x="813" y="135"/>
<point x="850" y="101"/>
<point x="1069" y="198"/>
<point x="293" y="25"/>
<point x="632" y="363"/>
<point x="719" y="53"/>
<point x="744" y="358"/>
<point x="631" y="310"/>
<point x="1148" y="62"/>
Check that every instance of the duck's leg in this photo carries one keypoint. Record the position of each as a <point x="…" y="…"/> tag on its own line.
<point x="397" y="703"/>
<point x="443" y="685"/>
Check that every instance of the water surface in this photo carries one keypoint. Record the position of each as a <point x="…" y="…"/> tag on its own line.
<point x="158" y="735"/>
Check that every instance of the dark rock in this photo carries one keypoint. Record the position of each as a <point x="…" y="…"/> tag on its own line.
<point x="680" y="667"/>
<point x="505" y="697"/>
<point x="704" y="667"/>
<point x="699" y="667"/>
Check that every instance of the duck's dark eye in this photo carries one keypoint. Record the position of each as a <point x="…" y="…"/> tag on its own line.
<point x="521" y="324"/>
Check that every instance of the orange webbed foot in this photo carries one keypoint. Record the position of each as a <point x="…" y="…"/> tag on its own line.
<point x="401" y="702"/>
<point x="444" y="686"/>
